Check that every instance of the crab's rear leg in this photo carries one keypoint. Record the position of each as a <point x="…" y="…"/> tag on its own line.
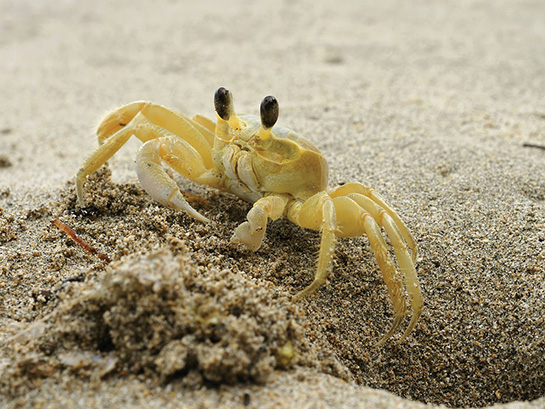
<point x="373" y="217"/>
<point x="405" y="261"/>
<point x="406" y="265"/>
<point x="373" y="195"/>
<point x="355" y="220"/>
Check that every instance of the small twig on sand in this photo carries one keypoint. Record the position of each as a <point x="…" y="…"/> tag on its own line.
<point x="533" y="145"/>
<point x="79" y="240"/>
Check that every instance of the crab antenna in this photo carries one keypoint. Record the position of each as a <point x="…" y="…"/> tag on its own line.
<point x="269" y="115"/>
<point x="225" y="108"/>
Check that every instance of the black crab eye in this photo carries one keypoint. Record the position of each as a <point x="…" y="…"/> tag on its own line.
<point x="269" y="111"/>
<point x="222" y="103"/>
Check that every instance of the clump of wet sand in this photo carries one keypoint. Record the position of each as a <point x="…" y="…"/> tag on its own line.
<point x="161" y="315"/>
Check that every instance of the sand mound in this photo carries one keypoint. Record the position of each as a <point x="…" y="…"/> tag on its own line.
<point x="160" y="314"/>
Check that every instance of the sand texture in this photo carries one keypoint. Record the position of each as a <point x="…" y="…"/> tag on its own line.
<point x="439" y="106"/>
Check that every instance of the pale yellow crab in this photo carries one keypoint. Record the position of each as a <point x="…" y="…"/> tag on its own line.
<point x="278" y="170"/>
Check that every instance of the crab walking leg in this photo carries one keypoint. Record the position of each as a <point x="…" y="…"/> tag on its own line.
<point x="406" y="266"/>
<point x="117" y="120"/>
<point x="207" y="123"/>
<point x="192" y="131"/>
<point x="368" y="205"/>
<point x="377" y="216"/>
<point x="327" y="248"/>
<point x="114" y="132"/>
<point x="184" y="128"/>
<point x="354" y="220"/>
<point x="407" y="235"/>
<point x="391" y="277"/>
<point x="252" y="232"/>
<point x="104" y="152"/>
<point x="154" y="178"/>
<point x="146" y="121"/>
<point x="138" y="126"/>
<point x="372" y="194"/>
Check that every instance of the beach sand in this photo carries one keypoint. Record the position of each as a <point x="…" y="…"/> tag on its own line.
<point x="438" y="106"/>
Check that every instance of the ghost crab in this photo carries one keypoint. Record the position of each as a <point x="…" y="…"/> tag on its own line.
<point x="278" y="170"/>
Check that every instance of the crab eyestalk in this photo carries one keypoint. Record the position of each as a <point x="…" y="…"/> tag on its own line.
<point x="269" y="115"/>
<point x="225" y="108"/>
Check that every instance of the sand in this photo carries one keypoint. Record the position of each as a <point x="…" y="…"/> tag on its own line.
<point x="432" y="104"/>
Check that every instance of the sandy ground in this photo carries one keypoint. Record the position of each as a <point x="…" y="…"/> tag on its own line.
<point x="432" y="104"/>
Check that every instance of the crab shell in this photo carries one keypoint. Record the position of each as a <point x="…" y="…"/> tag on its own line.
<point x="286" y="162"/>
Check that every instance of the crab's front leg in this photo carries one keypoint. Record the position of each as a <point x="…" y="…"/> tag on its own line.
<point x="252" y="232"/>
<point x="317" y="213"/>
<point x="181" y="157"/>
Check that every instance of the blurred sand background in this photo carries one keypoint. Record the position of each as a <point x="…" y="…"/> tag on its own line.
<point x="430" y="103"/>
